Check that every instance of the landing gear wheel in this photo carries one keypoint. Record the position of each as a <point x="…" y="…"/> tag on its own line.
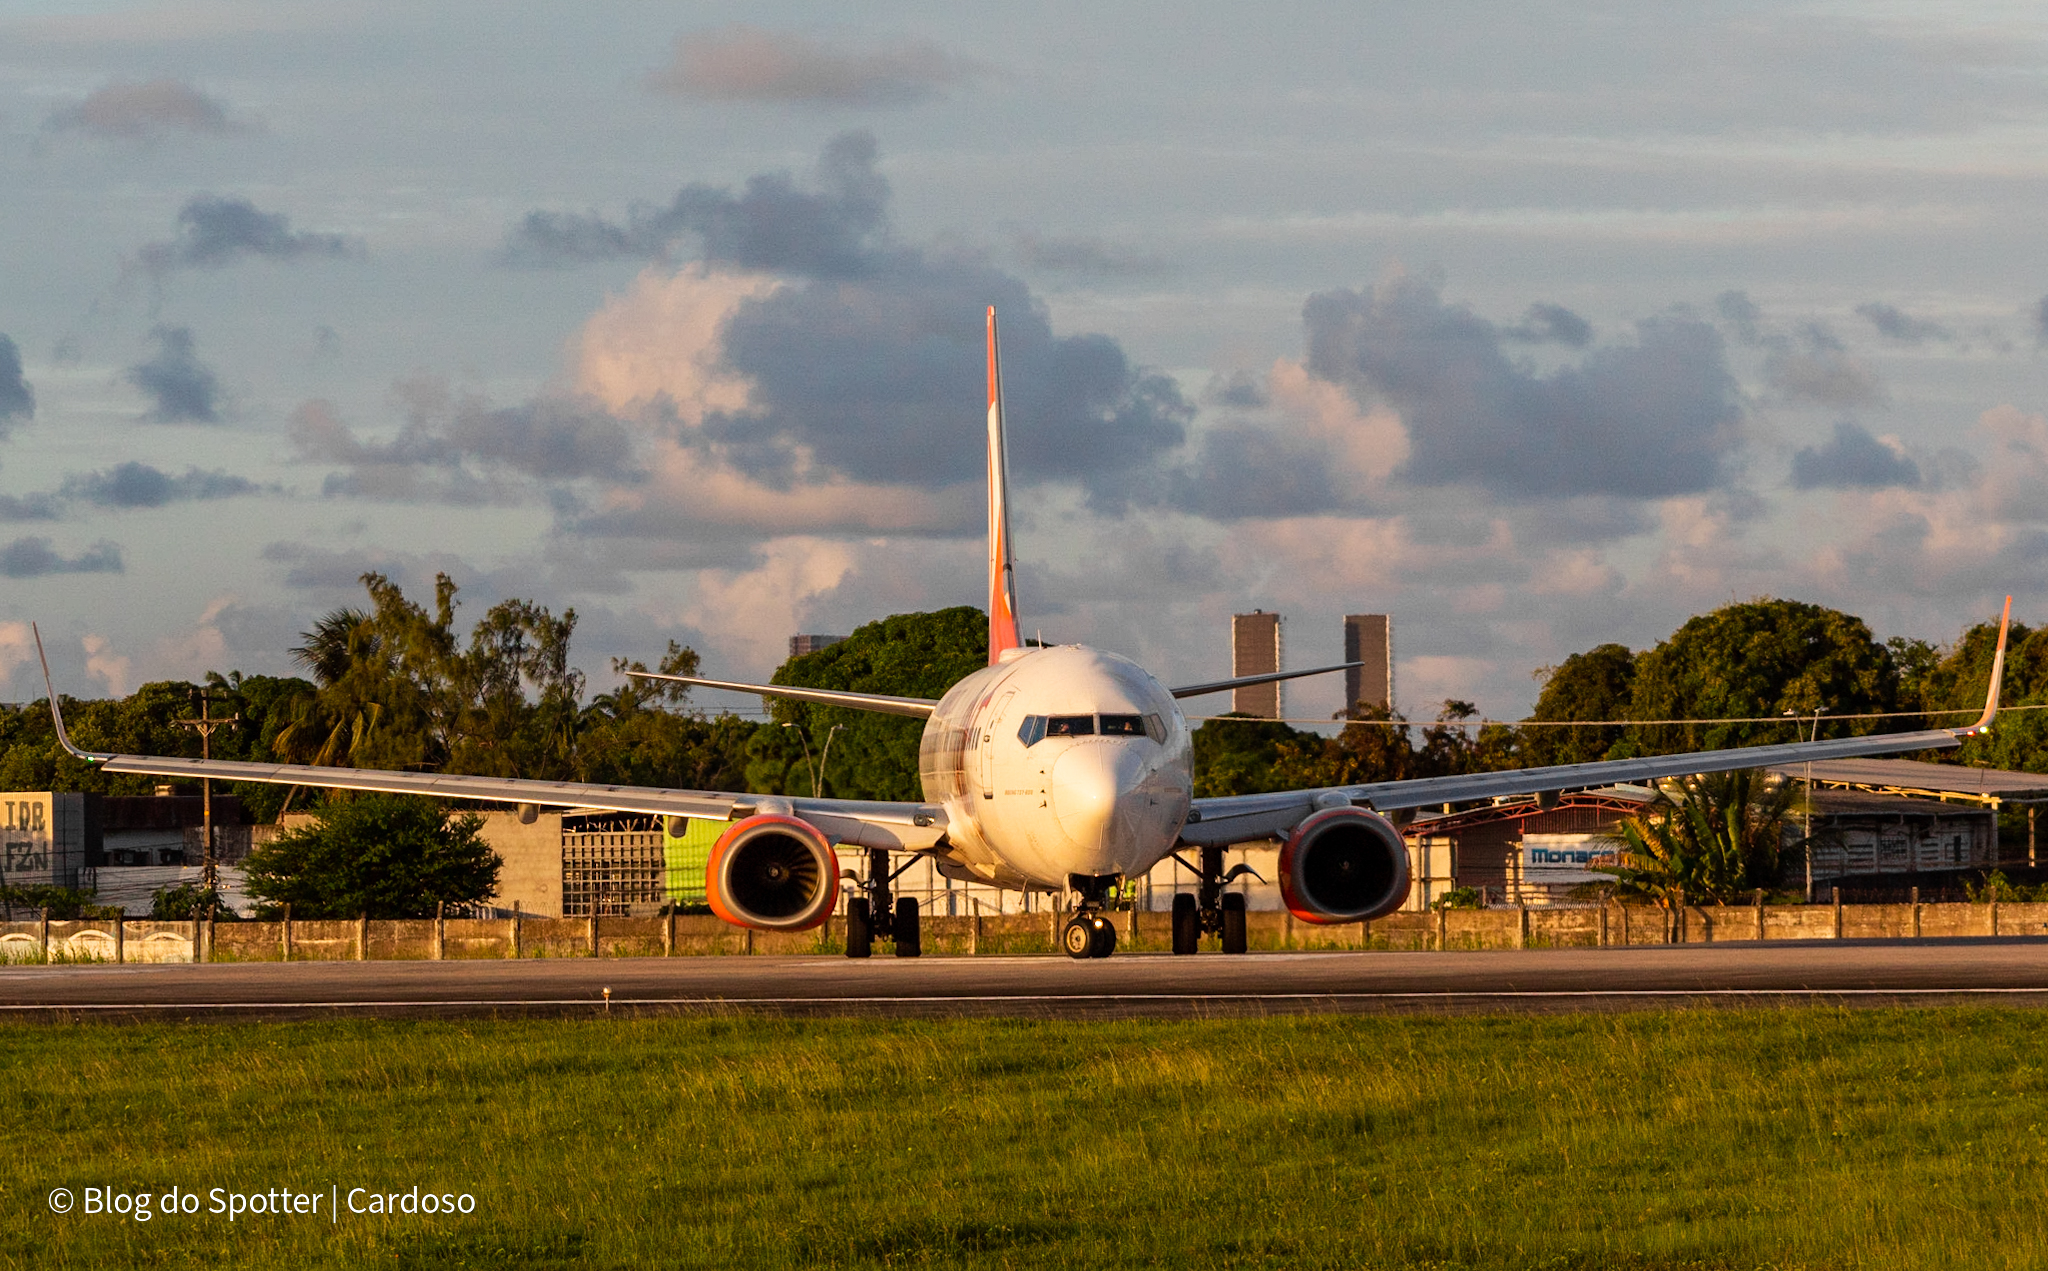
<point x="1078" y="939"/>
<point x="909" y="940"/>
<point x="1233" y="922"/>
<point x="1104" y="942"/>
<point x="1187" y="924"/>
<point x="860" y="931"/>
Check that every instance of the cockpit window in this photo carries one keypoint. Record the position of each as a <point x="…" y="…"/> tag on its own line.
<point x="1037" y="728"/>
<point x="1070" y="726"/>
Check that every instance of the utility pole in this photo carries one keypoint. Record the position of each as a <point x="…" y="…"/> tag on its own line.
<point x="205" y="726"/>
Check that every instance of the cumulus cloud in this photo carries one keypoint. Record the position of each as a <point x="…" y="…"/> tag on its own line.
<point x="1815" y="368"/>
<point x="17" y="399"/>
<point x="1650" y="419"/>
<point x="17" y="648"/>
<point x="1853" y="459"/>
<point x="103" y="664"/>
<point x="1965" y="534"/>
<point x="1895" y="324"/>
<point x="809" y="356"/>
<point x="141" y="111"/>
<point x="214" y="232"/>
<point x="749" y="63"/>
<point x="128" y="485"/>
<point x="1741" y="315"/>
<point x="137" y="485"/>
<point x="36" y="557"/>
<point x="1084" y="256"/>
<point x="454" y="448"/>
<point x="1310" y="450"/>
<point x="180" y="387"/>
<point x="30" y="507"/>
<point x="1551" y="324"/>
<point x="834" y="230"/>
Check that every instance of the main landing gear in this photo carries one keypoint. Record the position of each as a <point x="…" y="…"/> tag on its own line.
<point x="870" y="914"/>
<point x="1212" y="911"/>
<point x="1090" y="933"/>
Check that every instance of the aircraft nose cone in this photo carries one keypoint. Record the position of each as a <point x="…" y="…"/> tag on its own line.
<point x="1089" y="783"/>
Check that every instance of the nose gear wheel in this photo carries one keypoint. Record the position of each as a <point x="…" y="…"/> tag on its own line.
<point x="1089" y="935"/>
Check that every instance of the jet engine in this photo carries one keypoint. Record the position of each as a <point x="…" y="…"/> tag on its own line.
<point x="772" y="873"/>
<point x="1344" y="865"/>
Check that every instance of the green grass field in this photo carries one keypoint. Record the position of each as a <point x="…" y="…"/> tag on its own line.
<point x="1795" y="1138"/>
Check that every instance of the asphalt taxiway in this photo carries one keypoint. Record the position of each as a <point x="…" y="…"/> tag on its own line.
<point x="1856" y="973"/>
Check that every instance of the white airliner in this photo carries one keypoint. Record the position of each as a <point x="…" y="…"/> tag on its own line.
<point x="1062" y="769"/>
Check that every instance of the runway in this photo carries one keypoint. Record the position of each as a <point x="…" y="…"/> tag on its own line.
<point x="1856" y="973"/>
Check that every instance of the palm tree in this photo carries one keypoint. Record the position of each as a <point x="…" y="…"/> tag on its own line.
<point x="322" y="730"/>
<point x="336" y="643"/>
<point x="1706" y="840"/>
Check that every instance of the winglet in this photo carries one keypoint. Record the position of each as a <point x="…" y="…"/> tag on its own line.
<point x="57" y="711"/>
<point x="1002" y="569"/>
<point x="1983" y="724"/>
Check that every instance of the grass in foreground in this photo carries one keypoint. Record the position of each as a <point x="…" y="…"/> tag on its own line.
<point x="1796" y="1138"/>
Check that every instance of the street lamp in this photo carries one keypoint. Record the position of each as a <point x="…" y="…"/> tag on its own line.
<point x="1806" y="809"/>
<point x="818" y="768"/>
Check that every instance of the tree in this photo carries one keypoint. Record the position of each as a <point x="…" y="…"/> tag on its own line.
<point x="1956" y="683"/>
<point x="875" y="756"/>
<point x="1717" y="839"/>
<point x="640" y="734"/>
<point x="389" y="856"/>
<point x="1759" y="659"/>
<point x="1239" y="754"/>
<point x="1596" y="684"/>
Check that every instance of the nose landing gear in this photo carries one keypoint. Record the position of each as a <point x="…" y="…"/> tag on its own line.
<point x="1090" y="933"/>
<point x="1089" y="936"/>
<point x="870" y="915"/>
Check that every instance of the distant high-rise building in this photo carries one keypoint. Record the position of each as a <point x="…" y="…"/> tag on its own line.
<point x="1369" y="638"/>
<point x="1255" y="649"/>
<point x="802" y="644"/>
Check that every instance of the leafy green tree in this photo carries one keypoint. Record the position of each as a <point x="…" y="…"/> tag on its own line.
<point x="64" y="903"/>
<point x="1715" y="840"/>
<point x="874" y="756"/>
<point x="1761" y="658"/>
<point x="642" y="734"/>
<point x="1239" y="754"/>
<point x="1953" y="689"/>
<point x="389" y="856"/>
<point x="1597" y="684"/>
<point x="187" y="901"/>
<point x="1374" y="746"/>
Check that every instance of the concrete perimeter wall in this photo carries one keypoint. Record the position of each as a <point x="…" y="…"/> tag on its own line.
<point x="699" y="936"/>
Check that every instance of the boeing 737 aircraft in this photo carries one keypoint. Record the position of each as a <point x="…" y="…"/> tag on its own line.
<point x="1063" y="769"/>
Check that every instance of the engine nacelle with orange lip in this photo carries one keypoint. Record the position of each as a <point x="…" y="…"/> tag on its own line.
<point x="772" y="873"/>
<point x="1344" y="865"/>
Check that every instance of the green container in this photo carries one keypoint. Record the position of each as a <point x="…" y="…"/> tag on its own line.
<point x="686" y="855"/>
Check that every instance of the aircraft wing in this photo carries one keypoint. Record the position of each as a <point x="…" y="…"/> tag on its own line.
<point x="1243" y="818"/>
<point x="914" y="707"/>
<point x="1246" y="681"/>
<point x="851" y="822"/>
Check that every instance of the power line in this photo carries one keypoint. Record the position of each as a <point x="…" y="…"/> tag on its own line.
<point x="1621" y="723"/>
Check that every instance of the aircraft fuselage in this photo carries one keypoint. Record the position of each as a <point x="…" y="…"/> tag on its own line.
<point x="1056" y="762"/>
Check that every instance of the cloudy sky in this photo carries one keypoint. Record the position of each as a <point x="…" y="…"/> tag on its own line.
<point x="1535" y="325"/>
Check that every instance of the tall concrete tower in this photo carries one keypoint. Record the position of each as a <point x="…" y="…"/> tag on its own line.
<point x="1255" y="649"/>
<point x="1369" y="638"/>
